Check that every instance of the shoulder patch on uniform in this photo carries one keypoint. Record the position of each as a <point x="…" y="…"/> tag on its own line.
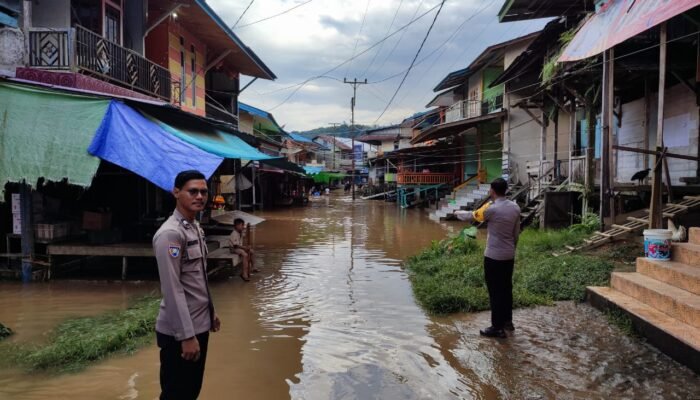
<point x="174" y="250"/>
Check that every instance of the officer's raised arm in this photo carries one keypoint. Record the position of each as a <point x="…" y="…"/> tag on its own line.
<point x="168" y="246"/>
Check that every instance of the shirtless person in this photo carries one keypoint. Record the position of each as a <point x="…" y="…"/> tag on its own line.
<point x="246" y="253"/>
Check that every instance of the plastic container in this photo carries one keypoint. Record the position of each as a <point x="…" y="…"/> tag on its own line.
<point x="657" y="244"/>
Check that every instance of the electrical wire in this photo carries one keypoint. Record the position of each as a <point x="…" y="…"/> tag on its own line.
<point x="242" y="14"/>
<point x="427" y="34"/>
<point x="357" y="38"/>
<point x="398" y="41"/>
<point x="276" y="15"/>
<point x="379" y="50"/>
<point x="302" y="84"/>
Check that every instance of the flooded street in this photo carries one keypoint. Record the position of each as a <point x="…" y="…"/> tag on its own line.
<point x="332" y="316"/>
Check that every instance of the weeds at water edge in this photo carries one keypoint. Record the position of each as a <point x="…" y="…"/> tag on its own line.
<point x="77" y="342"/>
<point x="4" y="331"/>
<point x="448" y="276"/>
<point x="622" y="321"/>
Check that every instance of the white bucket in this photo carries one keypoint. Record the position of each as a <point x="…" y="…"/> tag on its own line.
<point x="657" y="244"/>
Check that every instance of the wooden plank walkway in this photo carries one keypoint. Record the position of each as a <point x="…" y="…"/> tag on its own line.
<point x="634" y="225"/>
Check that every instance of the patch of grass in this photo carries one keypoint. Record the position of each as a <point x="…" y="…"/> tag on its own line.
<point x="77" y="342"/>
<point x="448" y="276"/>
<point x="4" y="331"/>
<point x="622" y="321"/>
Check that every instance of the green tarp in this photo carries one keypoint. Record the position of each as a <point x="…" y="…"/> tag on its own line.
<point x="44" y="133"/>
<point x="327" y="177"/>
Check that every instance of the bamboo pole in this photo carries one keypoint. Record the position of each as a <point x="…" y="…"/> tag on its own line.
<point x="655" y="216"/>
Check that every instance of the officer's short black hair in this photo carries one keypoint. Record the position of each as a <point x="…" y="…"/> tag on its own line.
<point x="238" y="221"/>
<point x="186" y="176"/>
<point x="499" y="186"/>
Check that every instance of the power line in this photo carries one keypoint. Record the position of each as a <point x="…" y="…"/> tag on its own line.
<point x="357" y="39"/>
<point x="379" y="50"/>
<point x="399" y="40"/>
<point x="242" y="14"/>
<point x="430" y="28"/>
<point x="277" y="15"/>
<point x="300" y="85"/>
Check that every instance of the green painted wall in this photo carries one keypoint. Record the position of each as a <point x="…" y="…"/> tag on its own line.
<point x="490" y="94"/>
<point x="491" y="150"/>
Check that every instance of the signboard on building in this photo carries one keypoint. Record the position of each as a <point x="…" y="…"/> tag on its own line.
<point x="357" y="152"/>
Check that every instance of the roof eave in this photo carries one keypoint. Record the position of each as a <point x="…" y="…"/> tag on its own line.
<point x="266" y="71"/>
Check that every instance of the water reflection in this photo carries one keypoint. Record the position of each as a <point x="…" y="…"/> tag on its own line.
<point x="332" y="316"/>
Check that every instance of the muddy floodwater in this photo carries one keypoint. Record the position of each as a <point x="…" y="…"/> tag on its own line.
<point x="332" y="316"/>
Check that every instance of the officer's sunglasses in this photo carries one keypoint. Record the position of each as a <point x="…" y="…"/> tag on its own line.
<point x="203" y="192"/>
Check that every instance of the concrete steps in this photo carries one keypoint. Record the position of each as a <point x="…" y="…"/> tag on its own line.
<point x="464" y="198"/>
<point x="674" y="273"/>
<point x="663" y="300"/>
<point x="678" y="303"/>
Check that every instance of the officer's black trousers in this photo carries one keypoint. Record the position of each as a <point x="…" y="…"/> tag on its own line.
<point x="180" y="379"/>
<point x="499" y="281"/>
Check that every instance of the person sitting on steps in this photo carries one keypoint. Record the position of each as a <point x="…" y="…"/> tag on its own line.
<point x="245" y="252"/>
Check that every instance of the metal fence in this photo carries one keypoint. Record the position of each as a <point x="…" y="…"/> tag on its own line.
<point x="81" y="49"/>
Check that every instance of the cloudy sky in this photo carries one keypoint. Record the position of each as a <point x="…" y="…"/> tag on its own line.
<point x="318" y="36"/>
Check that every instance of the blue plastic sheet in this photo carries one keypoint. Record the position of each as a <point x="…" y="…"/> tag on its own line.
<point x="128" y="139"/>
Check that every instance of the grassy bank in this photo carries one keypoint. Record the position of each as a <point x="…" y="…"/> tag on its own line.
<point x="4" y="331"/>
<point x="448" y="276"/>
<point x="77" y="342"/>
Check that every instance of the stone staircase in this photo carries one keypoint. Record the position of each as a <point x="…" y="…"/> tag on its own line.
<point x="663" y="300"/>
<point x="463" y="198"/>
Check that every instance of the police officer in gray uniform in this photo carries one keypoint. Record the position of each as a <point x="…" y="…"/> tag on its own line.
<point x="186" y="313"/>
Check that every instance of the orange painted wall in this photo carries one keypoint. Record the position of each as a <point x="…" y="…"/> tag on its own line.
<point x="163" y="47"/>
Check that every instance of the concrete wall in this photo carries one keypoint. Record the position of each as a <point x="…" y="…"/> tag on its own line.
<point x="11" y="50"/>
<point x="245" y="122"/>
<point x="525" y="139"/>
<point x="680" y="133"/>
<point x="51" y="14"/>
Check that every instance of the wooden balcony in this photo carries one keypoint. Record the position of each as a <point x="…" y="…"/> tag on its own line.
<point x="418" y="178"/>
<point x="80" y="49"/>
<point x="465" y="109"/>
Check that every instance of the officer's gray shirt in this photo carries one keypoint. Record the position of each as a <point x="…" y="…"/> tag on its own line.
<point x="503" y="217"/>
<point x="181" y="253"/>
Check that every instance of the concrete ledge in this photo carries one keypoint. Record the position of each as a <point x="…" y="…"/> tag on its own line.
<point x="678" y="303"/>
<point x="674" y="273"/>
<point x="679" y="341"/>
<point x="686" y="253"/>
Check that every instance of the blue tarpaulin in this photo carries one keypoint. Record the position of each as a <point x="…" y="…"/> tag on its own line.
<point x="312" y="170"/>
<point x="217" y="142"/>
<point x="299" y="138"/>
<point x="128" y="139"/>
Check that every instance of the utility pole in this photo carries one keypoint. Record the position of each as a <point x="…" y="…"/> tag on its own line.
<point x="354" y="84"/>
<point x="334" y="124"/>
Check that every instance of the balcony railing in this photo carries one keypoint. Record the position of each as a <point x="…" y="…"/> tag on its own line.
<point x="417" y="178"/>
<point x="465" y="109"/>
<point x="81" y="49"/>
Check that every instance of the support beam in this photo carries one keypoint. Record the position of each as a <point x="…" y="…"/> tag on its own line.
<point x="606" y="121"/>
<point x="556" y="144"/>
<point x="575" y="94"/>
<point x="163" y="17"/>
<point x="655" y="213"/>
<point x="217" y="60"/>
<point x="655" y="153"/>
<point x="125" y="267"/>
<point x="248" y="84"/>
<point x="685" y="83"/>
<point x="572" y="138"/>
<point x="27" y="239"/>
<point x="533" y="116"/>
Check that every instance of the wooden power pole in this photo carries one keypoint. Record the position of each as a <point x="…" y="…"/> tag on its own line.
<point x="655" y="217"/>
<point x="354" y="84"/>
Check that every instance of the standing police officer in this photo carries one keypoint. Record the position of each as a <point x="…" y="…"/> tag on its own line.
<point x="186" y="313"/>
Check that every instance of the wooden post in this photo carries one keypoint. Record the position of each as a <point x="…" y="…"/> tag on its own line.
<point x="556" y="143"/>
<point x="125" y="267"/>
<point x="655" y="209"/>
<point x="572" y="138"/>
<point x="605" y="149"/>
<point x="543" y="150"/>
<point x="25" y="200"/>
<point x="647" y="121"/>
<point x="612" y="166"/>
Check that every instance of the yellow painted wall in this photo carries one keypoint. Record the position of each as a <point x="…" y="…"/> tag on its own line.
<point x="174" y="48"/>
